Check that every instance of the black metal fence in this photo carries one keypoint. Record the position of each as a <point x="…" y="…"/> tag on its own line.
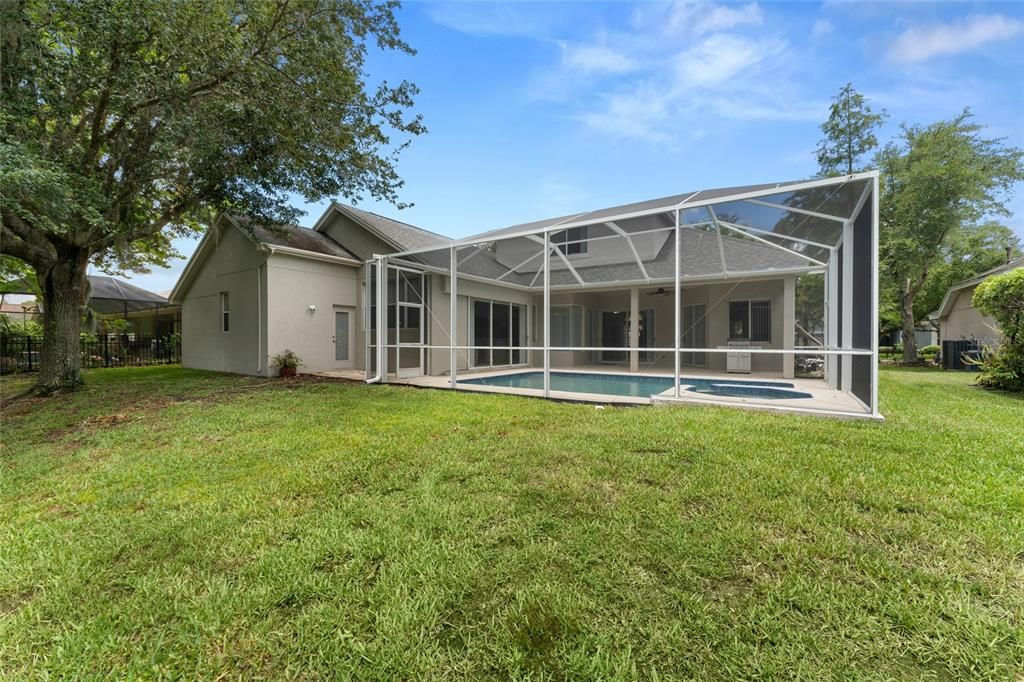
<point x="19" y="353"/>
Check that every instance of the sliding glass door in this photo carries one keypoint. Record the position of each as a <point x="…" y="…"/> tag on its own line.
<point x="501" y="327"/>
<point x="694" y="333"/>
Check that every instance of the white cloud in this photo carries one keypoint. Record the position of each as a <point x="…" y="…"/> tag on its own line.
<point x="636" y="113"/>
<point x="595" y="59"/>
<point x="920" y="43"/>
<point x="701" y="17"/>
<point x="822" y="27"/>
<point x="674" y="72"/>
<point x="720" y="57"/>
<point x="496" y="18"/>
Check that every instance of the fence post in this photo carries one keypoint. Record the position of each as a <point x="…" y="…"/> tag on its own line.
<point x="28" y="344"/>
<point x="106" y="351"/>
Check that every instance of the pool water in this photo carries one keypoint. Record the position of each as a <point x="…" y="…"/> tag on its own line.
<point x="639" y="386"/>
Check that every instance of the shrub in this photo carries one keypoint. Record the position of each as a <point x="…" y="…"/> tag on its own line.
<point x="287" y="360"/>
<point x="886" y="350"/>
<point x="929" y="350"/>
<point x="1002" y="298"/>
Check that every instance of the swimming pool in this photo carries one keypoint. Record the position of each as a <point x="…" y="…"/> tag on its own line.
<point x="640" y="386"/>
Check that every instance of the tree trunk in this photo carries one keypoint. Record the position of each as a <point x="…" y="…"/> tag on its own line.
<point x="908" y="332"/>
<point x="64" y="288"/>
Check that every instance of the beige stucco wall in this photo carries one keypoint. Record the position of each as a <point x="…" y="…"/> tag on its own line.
<point x="295" y="284"/>
<point x="234" y="266"/>
<point x="966" y="322"/>
<point x="715" y="296"/>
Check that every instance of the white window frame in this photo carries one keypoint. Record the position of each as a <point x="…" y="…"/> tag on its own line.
<point x="564" y="243"/>
<point x="225" y="313"/>
<point x="524" y="329"/>
<point x="750" y="319"/>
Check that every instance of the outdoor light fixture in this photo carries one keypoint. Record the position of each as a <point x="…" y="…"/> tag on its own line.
<point x="311" y="308"/>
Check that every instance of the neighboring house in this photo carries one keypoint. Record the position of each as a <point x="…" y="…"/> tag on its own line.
<point x="147" y="313"/>
<point x="925" y="334"/>
<point x="957" y="317"/>
<point x="360" y="292"/>
<point x="25" y="311"/>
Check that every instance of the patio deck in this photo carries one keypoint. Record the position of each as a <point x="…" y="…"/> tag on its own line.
<point x="823" y="398"/>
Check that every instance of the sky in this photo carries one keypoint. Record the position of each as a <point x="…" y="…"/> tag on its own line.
<point x="541" y="109"/>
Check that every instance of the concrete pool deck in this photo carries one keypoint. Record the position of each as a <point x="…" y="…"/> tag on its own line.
<point x="823" y="401"/>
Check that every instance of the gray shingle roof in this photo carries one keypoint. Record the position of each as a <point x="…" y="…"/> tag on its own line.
<point x="651" y="204"/>
<point x="701" y="258"/>
<point x="405" y="236"/>
<point x="296" y="237"/>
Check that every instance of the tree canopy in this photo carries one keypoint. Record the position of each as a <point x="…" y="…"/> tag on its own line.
<point x="940" y="186"/>
<point x="125" y="123"/>
<point x="849" y="133"/>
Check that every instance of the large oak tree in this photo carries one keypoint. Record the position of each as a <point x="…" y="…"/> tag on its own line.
<point x="125" y="123"/>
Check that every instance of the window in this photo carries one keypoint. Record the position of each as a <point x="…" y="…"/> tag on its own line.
<point x="225" y="312"/>
<point x="750" y="320"/>
<point x="566" y="325"/>
<point x="571" y="241"/>
<point x="502" y="325"/>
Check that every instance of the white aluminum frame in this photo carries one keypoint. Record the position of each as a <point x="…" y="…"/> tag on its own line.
<point x="838" y="351"/>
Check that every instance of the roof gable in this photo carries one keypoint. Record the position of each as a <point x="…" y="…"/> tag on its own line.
<point x="394" y="233"/>
<point x="949" y="300"/>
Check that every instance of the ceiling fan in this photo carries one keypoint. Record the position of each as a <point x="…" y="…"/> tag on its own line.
<point x="662" y="291"/>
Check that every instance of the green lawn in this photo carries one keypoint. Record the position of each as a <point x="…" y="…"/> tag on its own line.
<point x="173" y="523"/>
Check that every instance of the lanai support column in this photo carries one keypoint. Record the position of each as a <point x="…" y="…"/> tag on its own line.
<point x="788" y="325"/>
<point x="677" y="314"/>
<point x="382" y="318"/>
<point x="832" y="318"/>
<point x="634" y="329"/>
<point x="846" y="380"/>
<point x="547" y="315"/>
<point x="453" y="327"/>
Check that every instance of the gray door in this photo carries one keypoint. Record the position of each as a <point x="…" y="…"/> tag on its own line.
<point x="342" y="338"/>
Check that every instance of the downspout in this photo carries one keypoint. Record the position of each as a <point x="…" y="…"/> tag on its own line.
<point x="381" y="318"/>
<point x="259" y="320"/>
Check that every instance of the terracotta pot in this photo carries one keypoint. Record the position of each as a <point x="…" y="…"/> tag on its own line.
<point x="287" y="372"/>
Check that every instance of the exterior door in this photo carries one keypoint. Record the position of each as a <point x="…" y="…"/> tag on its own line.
<point x="409" y="325"/>
<point x="694" y="334"/>
<point x="614" y="334"/>
<point x="342" y="338"/>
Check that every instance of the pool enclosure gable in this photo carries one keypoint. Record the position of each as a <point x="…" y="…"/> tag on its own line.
<point x="701" y="273"/>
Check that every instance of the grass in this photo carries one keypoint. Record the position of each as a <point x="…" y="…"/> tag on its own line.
<point x="167" y="523"/>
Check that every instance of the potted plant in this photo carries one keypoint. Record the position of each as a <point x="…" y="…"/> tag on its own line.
<point x="287" y="363"/>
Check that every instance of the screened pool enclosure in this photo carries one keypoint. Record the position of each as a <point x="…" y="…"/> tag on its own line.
<point x="762" y="295"/>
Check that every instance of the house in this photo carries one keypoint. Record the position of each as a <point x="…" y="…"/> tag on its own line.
<point x="613" y="304"/>
<point x="926" y="333"/>
<point x="957" y="317"/>
<point x="24" y="311"/>
<point x="147" y="313"/>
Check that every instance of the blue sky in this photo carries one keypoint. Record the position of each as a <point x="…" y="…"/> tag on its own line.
<point x="538" y="109"/>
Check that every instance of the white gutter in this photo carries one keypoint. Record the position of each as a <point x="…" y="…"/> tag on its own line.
<point x="259" y="323"/>
<point x="312" y="255"/>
